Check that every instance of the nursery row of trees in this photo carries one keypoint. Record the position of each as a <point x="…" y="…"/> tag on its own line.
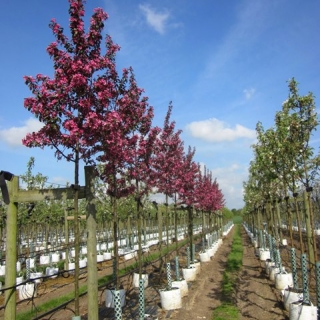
<point x="285" y="170"/>
<point x="94" y="114"/>
<point x="91" y="113"/>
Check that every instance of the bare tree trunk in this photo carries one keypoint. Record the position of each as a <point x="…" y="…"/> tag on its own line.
<point x="93" y="308"/>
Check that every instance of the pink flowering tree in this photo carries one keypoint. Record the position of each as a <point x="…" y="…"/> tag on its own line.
<point x="187" y="184"/>
<point x="209" y="198"/>
<point x="189" y="178"/>
<point x="123" y="148"/>
<point x="215" y="199"/>
<point x="142" y="173"/>
<point x="167" y="163"/>
<point x="85" y="107"/>
<point x="201" y="194"/>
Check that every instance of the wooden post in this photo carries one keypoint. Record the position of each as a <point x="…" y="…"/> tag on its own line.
<point x="279" y="221"/>
<point x="210" y="222"/>
<point x="190" y="227"/>
<point x="166" y="218"/>
<point x="129" y="230"/>
<point x="76" y="249"/>
<point x="275" y="222"/>
<point x="203" y="223"/>
<point x="269" y="217"/>
<point x="17" y="196"/>
<point x="115" y="241"/>
<point x="139" y="217"/>
<point x="298" y="217"/>
<point x="314" y="240"/>
<point x="289" y="219"/>
<point x="92" y="246"/>
<point x="259" y="225"/>
<point x="11" y="251"/>
<point x="160" y="224"/>
<point x="66" y="236"/>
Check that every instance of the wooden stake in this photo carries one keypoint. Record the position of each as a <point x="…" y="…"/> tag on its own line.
<point x="11" y="251"/>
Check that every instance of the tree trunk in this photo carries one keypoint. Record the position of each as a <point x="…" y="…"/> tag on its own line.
<point x="93" y="308"/>
<point x="115" y="241"/>
<point x="190" y="227"/>
<point x="76" y="233"/>
<point x="309" y="230"/>
<point x="299" y="224"/>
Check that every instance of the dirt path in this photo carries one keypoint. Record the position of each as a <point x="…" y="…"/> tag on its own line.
<point x="204" y="294"/>
<point x="256" y="296"/>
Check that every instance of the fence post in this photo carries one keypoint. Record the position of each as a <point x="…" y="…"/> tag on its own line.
<point x="11" y="250"/>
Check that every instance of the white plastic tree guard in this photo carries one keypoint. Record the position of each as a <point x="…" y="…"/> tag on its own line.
<point x="136" y="279"/>
<point x="204" y="256"/>
<point x="264" y="255"/>
<point x="110" y="298"/>
<point x="283" y="280"/>
<point x="289" y="295"/>
<point x="189" y="274"/>
<point x="197" y="265"/>
<point x="52" y="272"/>
<point x="27" y="291"/>
<point x="299" y="311"/>
<point x="107" y="256"/>
<point x="171" y="299"/>
<point x="44" y="259"/>
<point x="182" y="285"/>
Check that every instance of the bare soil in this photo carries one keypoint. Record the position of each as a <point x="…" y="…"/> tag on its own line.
<point x="256" y="295"/>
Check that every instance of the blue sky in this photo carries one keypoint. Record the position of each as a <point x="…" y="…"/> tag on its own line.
<point x="223" y="64"/>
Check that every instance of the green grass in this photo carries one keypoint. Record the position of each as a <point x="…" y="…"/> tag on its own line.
<point x="28" y="315"/>
<point x="237" y="219"/>
<point x="227" y="310"/>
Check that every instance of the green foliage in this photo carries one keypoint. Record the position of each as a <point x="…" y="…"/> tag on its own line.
<point x="225" y="312"/>
<point x="227" y="214"/>
<point x="283" y="157"/>
<point x="31" y="180"/>
<point x="227" y="287"/>
<point x="44" y="212"/>
<point x="237" y="219"/>
<point x="236" y="212"/>
<point x="60" y="265"/>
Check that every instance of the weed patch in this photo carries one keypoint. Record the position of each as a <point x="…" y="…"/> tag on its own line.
<point x="227" y="310"/>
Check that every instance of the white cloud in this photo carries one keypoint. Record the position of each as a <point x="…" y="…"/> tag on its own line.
<point x="230" y="180"/>
<point x="248" y="93"/>
<point x="155" y="19"/>
<point x="59" y="180"/>
<point x="214" y="130"/>
<point x="14" y="135"/>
